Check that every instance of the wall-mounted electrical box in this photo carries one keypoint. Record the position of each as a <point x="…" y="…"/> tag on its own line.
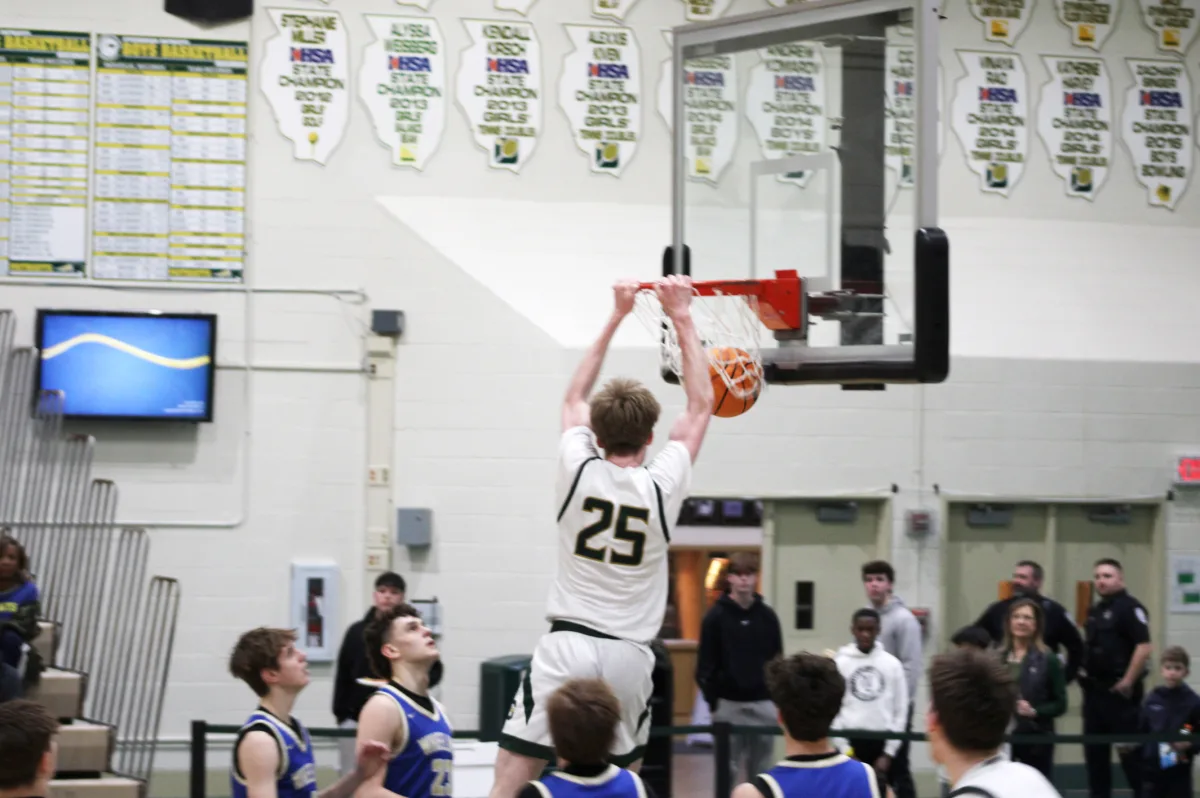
<point x="919" y="523"/>
<point x="414" y="526"/>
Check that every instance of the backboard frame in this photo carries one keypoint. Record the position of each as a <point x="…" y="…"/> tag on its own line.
<point x="927" y="358"/>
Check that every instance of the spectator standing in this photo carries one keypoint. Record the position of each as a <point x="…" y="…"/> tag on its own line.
<point x="876" y="695"/>
<point x="1060" y="633"/>
<point x="1040" y="680"/>
<point x="1171" y="707"/>
<point x="900" y="635"/>
<point x="740" y="634"/>
<point x="1113" y="675"/>
<point x="349" y="694"/>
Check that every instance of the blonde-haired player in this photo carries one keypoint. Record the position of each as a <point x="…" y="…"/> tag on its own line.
<point x="614" y="518"/>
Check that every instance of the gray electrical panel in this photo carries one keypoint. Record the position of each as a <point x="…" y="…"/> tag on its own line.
<point x="414" y="526"/>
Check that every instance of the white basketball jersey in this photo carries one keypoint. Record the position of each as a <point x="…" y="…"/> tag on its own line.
<point x="614" y="526"/>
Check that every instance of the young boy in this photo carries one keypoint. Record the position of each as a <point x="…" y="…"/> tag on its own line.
<point x="808" y="689"/>
<point x="973" y="696"/>
<point x="401" y="715"/>
<point x="1170" y="707"/>
<point x="876" y="696"/>
<point x="583" y="716"/>
<point x="273" y="757"/>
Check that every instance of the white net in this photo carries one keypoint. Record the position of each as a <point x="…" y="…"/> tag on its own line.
<point x="729" y="331"/>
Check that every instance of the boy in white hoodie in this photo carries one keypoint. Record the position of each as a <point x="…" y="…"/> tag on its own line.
<point x="876" y="696"/>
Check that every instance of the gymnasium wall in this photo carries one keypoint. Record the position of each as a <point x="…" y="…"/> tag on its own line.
<point x="1074" y="373"/>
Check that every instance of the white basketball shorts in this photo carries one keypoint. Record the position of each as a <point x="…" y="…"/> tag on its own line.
<point x="576" y="652"/>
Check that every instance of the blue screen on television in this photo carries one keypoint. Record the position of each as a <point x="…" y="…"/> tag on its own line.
<point x="129" y="365"/>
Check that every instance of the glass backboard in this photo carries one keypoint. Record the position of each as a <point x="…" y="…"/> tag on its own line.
<point x="806" y="139"/>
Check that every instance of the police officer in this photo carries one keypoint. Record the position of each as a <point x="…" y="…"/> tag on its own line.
<point x="1060" y="632"/>
<point x="1114" y="667"/>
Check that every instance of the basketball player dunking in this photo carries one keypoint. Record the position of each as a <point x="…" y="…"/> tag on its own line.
<point x="401" y="714"/>
<point x="614" y="519"/>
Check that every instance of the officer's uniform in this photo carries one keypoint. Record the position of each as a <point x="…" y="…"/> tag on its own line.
<point x="1116" y="626"/>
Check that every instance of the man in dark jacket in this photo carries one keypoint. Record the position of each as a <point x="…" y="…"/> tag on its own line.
<point x="1060" y="634"/>
<point x="1171" y="707"/>
<point x="739" y="636"/>
<point x="349" y="694"/>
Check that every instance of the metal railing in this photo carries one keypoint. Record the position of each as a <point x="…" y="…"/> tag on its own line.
<point x="114" y="625"/>
<point x="722" y="734"/>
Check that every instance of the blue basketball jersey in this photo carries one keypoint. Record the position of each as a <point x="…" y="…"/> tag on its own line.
<point x="297" y="774"/>
<point x="422" y="767"/>
<point x="833" y="776"/>
<point x="614" y="782"/>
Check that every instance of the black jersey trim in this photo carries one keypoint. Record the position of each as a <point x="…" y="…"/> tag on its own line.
<point x="662" y="512"/>
<point x="574" y="485"/>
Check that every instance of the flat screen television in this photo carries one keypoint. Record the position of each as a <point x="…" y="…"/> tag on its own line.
<point x="140" y="365"/>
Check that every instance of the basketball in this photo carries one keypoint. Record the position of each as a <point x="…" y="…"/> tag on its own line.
<point x="742" y="372"/>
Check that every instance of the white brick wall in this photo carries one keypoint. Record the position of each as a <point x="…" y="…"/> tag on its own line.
<point x="1054" y="302"/>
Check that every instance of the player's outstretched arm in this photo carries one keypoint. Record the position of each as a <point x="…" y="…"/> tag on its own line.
<point x="675" y="294"/>
<point x="379" y="724"/>
<point x="576" y="412"/>
<point x="258" y="761"/>
<point x="371" y="758"/>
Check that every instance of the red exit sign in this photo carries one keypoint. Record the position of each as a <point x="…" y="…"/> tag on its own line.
<point x="1187" y="470"/>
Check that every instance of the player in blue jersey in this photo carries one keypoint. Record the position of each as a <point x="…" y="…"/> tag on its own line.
<point x="273" y="756"/>
<point x="807" y="689"/>
<point x="583" y="716"/>
<point x="401" y="715"/>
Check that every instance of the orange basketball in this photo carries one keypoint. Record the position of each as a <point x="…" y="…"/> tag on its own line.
<point x="743" y="372"/>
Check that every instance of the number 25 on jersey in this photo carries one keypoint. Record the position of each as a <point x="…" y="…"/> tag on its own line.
<point x="630" y="527"/>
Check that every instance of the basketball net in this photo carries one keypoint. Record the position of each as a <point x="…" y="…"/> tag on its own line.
<point x="729" y="332"/>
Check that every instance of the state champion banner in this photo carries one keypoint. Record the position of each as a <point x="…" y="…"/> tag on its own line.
<point x="305" y="76"/>
<point x="402" y="83"/>
<point x="600" y="91"/>
<point x="1075" y="122"/>
<point x="1158" y="129"/>
<point x="500" y="90"/>
<point x="990" y="116"/>
<point x="711" y="104"/>
<point x="785" y="103"/>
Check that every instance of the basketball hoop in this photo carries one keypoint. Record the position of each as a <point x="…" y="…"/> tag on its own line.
<point x="730" y="316"/>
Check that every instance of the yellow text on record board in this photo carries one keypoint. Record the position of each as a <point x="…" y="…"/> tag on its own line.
<point x="46" y="44"/>
<point x="183" y="52"/>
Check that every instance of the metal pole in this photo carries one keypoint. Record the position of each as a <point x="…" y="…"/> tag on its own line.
<point x="722" y="753"/>
<point x="198" y="774"/>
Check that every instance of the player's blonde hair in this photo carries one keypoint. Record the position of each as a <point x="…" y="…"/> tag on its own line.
<point x="623" y="415"/>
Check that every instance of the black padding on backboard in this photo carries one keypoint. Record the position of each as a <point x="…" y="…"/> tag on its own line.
<point x="931" y="327"/>
<point x="668" y="261"/>
<point x="931" y="330"/>
<point x="211" y="10"/>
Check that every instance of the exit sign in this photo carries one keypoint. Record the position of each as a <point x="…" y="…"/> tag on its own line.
<point x="1187" y="470"/>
